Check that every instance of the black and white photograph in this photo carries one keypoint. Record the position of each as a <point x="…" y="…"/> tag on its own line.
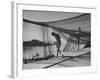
<point x="55" y="39"/>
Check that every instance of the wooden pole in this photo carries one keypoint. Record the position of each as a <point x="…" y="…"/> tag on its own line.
<point x="79" y="38"/>
<point x="44" y="39"/>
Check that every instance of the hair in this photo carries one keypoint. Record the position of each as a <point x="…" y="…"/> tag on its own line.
<point x="53" y="33"/>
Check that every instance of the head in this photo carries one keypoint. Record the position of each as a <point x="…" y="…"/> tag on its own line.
<point x="53" y="33"/>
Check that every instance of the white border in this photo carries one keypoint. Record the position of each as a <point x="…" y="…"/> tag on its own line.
<point x="17" y="42"/>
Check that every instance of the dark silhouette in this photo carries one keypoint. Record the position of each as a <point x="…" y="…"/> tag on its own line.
<point x="88" y="44"/>
<point x="58" y="42"/>
<point x="35" y="43"/>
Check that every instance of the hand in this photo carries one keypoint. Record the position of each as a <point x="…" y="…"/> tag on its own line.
<point x="54" y="43"/>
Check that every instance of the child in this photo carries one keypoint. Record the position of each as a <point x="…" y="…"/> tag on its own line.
<point x="58" y="42"/>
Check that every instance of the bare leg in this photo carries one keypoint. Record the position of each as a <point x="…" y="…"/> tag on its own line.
<point x="58" y="50"/>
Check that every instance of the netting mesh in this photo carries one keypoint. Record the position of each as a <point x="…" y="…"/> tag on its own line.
<point x="70" y="26"/>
